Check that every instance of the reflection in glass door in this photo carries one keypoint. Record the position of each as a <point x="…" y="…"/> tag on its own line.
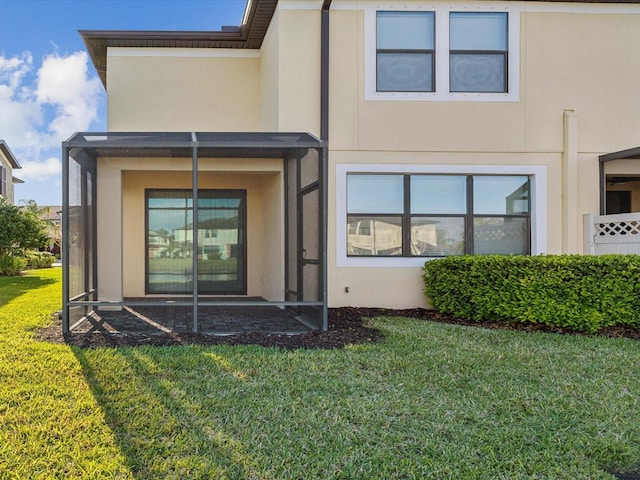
<point x="221" y="241"/>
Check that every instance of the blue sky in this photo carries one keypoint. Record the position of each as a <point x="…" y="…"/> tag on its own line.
<point x="48" y="86"/>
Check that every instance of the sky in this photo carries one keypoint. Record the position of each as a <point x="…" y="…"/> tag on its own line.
<point x="49" y="88"/>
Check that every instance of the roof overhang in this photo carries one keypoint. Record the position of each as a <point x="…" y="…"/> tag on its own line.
<point x="628" y="154"/>
<point x="249" y="35"/>
<point x="16" y="180"/>
<point x="4" y="148"/>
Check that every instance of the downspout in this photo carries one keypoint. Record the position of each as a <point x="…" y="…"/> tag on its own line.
<point x="324" y="71"/>
<point x="602" y="182"/>
<point x="324" y="136"/>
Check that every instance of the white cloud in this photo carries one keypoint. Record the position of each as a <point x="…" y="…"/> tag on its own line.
<point x="64" y="83"/>
<point x="40" y="108"/>
<point x="40" y="170"/>
<point x="20" y="114"/>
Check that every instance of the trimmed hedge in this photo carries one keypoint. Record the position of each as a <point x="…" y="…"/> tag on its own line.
<point x="579" y="292"/>
<point x="39" y="260"/>
<point x="11" y="266"/>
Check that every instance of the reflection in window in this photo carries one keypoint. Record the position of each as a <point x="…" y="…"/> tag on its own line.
<point x="374" y="235"/>
<point x="500" y="195"/>
<point x="438" y="194"/>
<point x="170" y="246"/>
<point x="437" y="236"/>
<point x="405" y="51"/>
<point x="437" y="215"/>
<point x="501" y="235"/>
<point x="375" y="193"/>
<point x="478" y="52"/>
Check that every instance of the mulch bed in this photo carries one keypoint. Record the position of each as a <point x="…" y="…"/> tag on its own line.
<point x="347" y="325"/>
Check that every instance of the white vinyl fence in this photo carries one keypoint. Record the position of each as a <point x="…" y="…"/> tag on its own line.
<point x="612" y="233"/>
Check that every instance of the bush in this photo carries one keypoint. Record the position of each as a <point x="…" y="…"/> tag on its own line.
<point x="11" y="266"/>
<point x="39" y="260"/>
<point x="580" y="292"/>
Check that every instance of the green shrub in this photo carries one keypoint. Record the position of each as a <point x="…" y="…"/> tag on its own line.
<point x="39" y="260"/>
<point x="11" y="266"/>
<point x="580" y="292"/>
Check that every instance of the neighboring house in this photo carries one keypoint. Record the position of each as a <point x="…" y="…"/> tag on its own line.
<point x="430" y="129"/>
<point x="8" y="163"/>
<point x="52" y="216"/>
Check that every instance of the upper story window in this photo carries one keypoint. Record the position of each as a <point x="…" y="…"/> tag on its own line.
<point x="449" y="53"/>
<point x="3" y="181"/>
<point x="405" y="52"/>
<point x="478" y="49"/>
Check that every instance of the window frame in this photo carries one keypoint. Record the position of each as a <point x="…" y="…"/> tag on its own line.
<point x="202" y="194"/>
<point x="442" y="54"/>
<point x="537" y="201"/>
<point x="409" y="51"/>
<point x="469" y="216"/>
<point x="472" y="52"/>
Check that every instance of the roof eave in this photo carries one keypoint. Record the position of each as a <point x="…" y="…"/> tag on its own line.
<point x="256" y="20"/>
<point x="4" y="148"/>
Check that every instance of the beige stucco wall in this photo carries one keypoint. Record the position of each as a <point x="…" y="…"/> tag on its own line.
<point x="557" y="73"/>
<point x="121" y="207"/>
<point x="270" y="77"/>
<point x="183" y="90"/>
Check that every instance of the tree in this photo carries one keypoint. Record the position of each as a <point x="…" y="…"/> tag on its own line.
<point x="20" y="230"/>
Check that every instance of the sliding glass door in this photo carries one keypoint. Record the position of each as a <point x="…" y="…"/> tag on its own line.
<point x="221" y="246"/>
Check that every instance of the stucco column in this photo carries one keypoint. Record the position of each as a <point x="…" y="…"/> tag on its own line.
<point x="570" y="215"/>
<point x="109" y="212"/>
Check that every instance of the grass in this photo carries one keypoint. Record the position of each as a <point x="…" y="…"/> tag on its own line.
<point x="431" y="401"/>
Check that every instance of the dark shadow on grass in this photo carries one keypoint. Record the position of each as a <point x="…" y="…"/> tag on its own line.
<point x="156" y="428"/>
<point x="13" y="287"/>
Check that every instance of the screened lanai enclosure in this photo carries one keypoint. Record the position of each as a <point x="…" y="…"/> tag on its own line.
<point x="197" y="232"/>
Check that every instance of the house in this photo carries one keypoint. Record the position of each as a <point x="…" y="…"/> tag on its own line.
<point x="8" y="163"/>
<point x="341" y="144"/>
<point x="51" y="215"/>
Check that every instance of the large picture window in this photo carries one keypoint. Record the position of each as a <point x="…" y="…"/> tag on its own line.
<point x="437" y="215"/>
<point x="221" y="250"/>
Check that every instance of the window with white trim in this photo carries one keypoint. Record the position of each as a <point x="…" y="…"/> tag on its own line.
<point x="478" y="52"/>
<point x="432" y="215"/>
<point x="405" y="48"/>
<point x="462" y="52"/>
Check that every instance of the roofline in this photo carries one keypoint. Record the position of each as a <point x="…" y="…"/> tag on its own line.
<point x="630" y="153"/>
<point x="4" y="148"/>
<point x="255" y="22"/>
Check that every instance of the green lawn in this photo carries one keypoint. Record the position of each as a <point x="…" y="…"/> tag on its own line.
<point x="431" y="401"/>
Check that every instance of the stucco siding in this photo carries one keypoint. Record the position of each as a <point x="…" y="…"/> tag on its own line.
<point x="178" y="90"/>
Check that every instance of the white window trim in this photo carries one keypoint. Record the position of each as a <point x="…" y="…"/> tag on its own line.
<point x="442" y="93"/>
<point x="536" y="173"/>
